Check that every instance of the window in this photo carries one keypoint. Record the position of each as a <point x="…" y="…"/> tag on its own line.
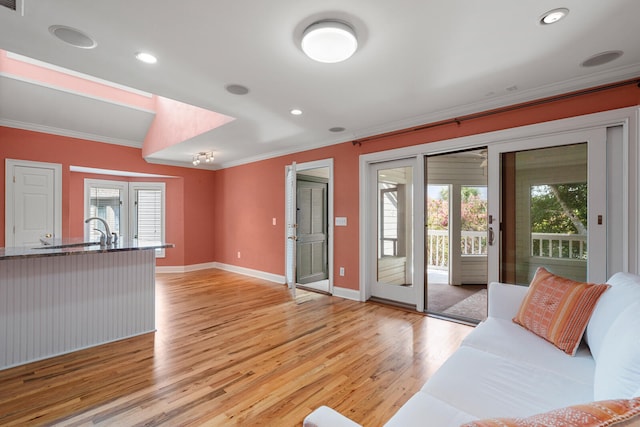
<point x="147" y="212"/>
<point x="134" y="210"/>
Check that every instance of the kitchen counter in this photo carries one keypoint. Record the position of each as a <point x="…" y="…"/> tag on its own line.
<point x="68" y="295"/>
<point x="77" y="246"/>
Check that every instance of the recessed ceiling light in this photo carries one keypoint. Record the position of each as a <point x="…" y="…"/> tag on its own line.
<point x="329" y="41"/>
<point x="337" y="129"/>
<point x="73" y="36"/>
<point x="237" y="89"/>
<point x="296" y="112"/>
<point x="146" y="57"/>
<point x="554" y="16"/>
<point x="602" y="58"/>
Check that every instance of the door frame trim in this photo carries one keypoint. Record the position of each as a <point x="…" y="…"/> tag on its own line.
<point x="628" y="118"/>
<point x="9" y="221"/>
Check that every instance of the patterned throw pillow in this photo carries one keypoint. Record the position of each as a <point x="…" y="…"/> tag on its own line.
<point x="615" y="413"/>
<point x="558" y="309"/>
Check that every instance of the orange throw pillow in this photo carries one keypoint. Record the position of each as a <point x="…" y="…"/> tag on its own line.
<point x="558" y="309"/>
<point x="605" y="413"/>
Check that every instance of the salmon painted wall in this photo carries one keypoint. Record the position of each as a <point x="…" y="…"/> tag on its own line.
<point x="188" y="208"/>
<point x="249" y="196"/>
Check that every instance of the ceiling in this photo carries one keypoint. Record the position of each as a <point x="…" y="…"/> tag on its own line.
<point x="418" y="61"/>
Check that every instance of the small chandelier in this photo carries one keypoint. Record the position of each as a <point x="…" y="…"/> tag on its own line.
<point x="207" y="156"/>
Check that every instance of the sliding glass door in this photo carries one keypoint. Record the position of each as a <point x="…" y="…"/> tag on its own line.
<point x="551" y="208"/>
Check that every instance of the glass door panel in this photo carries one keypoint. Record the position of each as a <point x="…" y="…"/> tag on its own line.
<point x="107" y="202"/>
<point x="550" y="203"/>
<point x="394" y="227"/>
<point x="551" y="207"/>
<point x="395" y="231"/>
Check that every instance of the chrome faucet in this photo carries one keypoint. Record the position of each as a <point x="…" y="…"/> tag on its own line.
<point x="111" y="237"/>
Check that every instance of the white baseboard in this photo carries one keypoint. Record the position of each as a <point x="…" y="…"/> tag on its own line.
<point x="185" y="268"/>
<point x="276" y="278"/>
<point x="227" y="267"/>
<point x="346" y="293"/>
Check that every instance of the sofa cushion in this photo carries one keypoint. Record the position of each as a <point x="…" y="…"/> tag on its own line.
<point x="325" y="416"/>
<point x="505" y="299"/>
<point x="558" y="309"/>
<point x="617" y="373"/>
<point x="506" y="339"/>
<point x="422" y="409"/>
<point x="625" y="288"/>
<point x="487" y="385"/>
<point x="594" y="414"/>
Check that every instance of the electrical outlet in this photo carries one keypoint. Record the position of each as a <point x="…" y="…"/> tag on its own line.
<point x="238" y="254"/>
<point x="342" y="271"/>
<point x="274" y="221"/>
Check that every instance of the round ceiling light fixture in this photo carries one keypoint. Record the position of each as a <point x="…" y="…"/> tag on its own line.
<point x="553" y="16"/>
<point x="329" y="41"/>
<point x="72" y="36"/>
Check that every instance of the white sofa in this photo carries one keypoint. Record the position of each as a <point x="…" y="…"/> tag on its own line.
<point x="503" y="370"/>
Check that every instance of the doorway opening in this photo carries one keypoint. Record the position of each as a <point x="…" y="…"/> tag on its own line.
<point x="309" y="225"/>
<point x="312" y="251"/>
<point x="456" y="260"/>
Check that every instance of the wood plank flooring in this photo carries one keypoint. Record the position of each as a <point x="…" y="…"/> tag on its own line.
<point x="234" y="350"/>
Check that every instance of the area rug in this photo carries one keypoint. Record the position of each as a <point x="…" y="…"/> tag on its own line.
<point x="473" y="307"/>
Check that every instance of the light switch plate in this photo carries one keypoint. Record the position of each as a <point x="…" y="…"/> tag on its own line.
<point x="341" y="221"/>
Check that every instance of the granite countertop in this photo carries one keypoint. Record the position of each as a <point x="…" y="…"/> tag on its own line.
<point x="77" y="246"/>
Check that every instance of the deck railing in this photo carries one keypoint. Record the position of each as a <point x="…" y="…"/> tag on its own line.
<point x="472" y="243"/>
<point x="556" y="245"/>
<point x="547" y="245"/>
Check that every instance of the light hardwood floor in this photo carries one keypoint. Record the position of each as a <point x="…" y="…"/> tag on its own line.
<point x="234" y="350"/>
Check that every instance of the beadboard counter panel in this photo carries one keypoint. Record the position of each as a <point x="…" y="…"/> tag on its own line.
<point x="51" y="305"/>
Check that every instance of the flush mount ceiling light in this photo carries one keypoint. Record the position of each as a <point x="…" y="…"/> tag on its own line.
<point x="203" y="155"/>
<point x="329" y="41"/>
<point x="296" y="112"/>
<point x="554" y="16"/>
<point x="72" y="36"/>
<point x="146" y="57"/>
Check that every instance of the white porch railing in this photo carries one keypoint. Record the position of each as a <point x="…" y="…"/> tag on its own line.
<point x="555" y="245"/>
<point x="548" y="245"/>
<point x="472" y="243"/>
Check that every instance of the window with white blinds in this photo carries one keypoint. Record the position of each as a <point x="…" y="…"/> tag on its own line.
<point x="147" y="214"/>
<point x="132" y="209"/>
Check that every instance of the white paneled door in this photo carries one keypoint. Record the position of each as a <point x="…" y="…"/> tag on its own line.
<point x="33" y="209"/>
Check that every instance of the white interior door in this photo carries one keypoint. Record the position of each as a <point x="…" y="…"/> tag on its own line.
<point x="546" y="162"/>
<point x="290" y="225"/>
<point x="33" y="208"/>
